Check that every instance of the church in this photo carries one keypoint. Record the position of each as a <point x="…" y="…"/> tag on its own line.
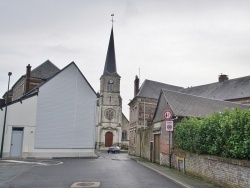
<point x="57" y="113"/>
<point x="112" y="127"/>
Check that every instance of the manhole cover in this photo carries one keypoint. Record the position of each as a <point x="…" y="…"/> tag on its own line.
<point x="86" y="185"/>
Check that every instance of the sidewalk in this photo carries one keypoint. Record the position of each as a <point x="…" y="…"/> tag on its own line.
<point x="184" y="180"/>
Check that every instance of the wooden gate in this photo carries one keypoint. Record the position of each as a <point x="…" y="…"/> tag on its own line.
<point x="157" y="148"/>
<point x="108" y="139"/>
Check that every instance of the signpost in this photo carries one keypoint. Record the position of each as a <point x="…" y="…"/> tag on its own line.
<point x="167" y="115"/>
<point x="169" y="126"/>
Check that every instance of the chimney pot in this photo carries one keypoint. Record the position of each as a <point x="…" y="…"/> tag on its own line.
<point x="136" y="85"/>
<point x="223" y="78"/>
<point x="28" y="71"/>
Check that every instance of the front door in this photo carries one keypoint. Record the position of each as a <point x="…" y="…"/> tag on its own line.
<point x="16" y="142"/>
<point x="157" y="148"/>
<point x="108" y="139"/>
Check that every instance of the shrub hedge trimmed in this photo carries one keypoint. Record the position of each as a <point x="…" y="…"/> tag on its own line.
<point x="224" y="134"/>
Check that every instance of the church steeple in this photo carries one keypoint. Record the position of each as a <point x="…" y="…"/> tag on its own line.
<point x="110" y="64"/>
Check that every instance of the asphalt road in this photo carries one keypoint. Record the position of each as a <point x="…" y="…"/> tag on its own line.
<point x="111" y="170"/>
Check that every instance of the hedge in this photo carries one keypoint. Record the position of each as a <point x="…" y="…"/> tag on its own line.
<point x="225" y="134"/>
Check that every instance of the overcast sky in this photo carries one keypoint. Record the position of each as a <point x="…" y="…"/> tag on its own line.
<point x="181" y="42"/>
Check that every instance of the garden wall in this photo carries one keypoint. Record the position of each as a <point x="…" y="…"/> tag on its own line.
<point x="222" y="171"/>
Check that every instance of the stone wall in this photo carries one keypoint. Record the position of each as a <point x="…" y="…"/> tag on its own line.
<point x="222" y="171"/>
<point x="142" y="146"/>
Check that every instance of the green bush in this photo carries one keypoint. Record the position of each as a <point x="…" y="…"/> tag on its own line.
<point x="224" y="134"/>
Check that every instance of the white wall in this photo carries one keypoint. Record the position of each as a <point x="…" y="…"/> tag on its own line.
<point x="20" y="115"/>
<point x="66" y="112"/>
<point x="59" y="122"/>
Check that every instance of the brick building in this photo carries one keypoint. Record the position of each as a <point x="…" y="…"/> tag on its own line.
<point x="181" y="105"/>
<point x="142" y="109"/>
<point x="143" y="105"/>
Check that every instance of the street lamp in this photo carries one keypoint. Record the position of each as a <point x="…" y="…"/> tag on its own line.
<point x="6" y="101"/>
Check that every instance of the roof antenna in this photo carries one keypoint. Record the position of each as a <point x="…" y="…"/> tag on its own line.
<point x="139" y="76"/>
<point x="112" y="19"/>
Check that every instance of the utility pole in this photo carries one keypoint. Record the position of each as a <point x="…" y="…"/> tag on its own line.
<point x="6" y="101"/>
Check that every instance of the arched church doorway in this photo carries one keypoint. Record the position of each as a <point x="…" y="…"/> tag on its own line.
<point x="108" y="139"/>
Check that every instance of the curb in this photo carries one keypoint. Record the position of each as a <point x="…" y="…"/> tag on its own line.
<point x="168" y="177"/>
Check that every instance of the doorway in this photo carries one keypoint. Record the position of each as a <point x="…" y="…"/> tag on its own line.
<point x="157" y="148"/>
<point x="16" y="146"/>
<point x="108" y="139"/>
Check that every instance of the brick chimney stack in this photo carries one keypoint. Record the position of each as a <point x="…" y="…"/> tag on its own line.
<point x="223" y="78"/>
<point x="27" y="85"/>
<point x="136" y="85"/>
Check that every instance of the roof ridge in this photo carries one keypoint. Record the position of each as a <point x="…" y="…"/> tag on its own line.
<point x="163" y="83"/>
<point x="226" y="81"/>
<point x="213" y="99"/>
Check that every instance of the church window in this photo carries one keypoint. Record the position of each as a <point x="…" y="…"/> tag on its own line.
<point x="124" y="135"/>
<point x="111" y="85"/>
<point x="109" y="113"/>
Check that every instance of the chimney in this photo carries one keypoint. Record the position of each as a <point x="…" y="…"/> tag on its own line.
<point x="27" y="85"/>
<point x="223" y="77"/>
<point x="136" y="86"/>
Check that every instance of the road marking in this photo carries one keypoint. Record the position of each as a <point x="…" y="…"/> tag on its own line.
<point x="35" y="163"/>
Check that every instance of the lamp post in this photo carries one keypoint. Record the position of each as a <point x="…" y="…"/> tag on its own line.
<point x="6" y="101"/>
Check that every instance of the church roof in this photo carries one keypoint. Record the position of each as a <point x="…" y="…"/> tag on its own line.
<point x="110" y="64"/>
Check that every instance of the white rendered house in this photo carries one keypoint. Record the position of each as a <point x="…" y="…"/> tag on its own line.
<point x="55" y="119"/>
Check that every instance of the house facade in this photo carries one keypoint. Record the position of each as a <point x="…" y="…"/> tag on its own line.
<point x="146" y="99"/>
<point x="181" y="105"/>
<point x="54" y="119"/>
<point x="142" y="108"/>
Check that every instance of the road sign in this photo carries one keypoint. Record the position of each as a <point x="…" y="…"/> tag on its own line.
<point x="167" y="115"/>
<point x="169" y="125"/>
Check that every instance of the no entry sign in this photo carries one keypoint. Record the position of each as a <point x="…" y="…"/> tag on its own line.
<point x="169" y="125"/>
<point x="167" y="115"/>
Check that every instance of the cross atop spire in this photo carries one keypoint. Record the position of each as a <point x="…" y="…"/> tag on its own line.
<point x="112" y="19"/>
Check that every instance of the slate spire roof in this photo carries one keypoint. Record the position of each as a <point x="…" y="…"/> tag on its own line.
<point x="110" y="64"/>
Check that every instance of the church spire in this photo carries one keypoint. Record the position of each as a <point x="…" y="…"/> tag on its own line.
<point x="110" y="64"/>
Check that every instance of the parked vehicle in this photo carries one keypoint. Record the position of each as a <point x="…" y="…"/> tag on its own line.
<point x="114" y="149"/>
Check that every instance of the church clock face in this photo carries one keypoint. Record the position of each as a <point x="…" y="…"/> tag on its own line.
<point x="109" y="114"/>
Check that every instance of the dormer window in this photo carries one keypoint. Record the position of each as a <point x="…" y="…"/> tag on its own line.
<point x="111" y="85"/>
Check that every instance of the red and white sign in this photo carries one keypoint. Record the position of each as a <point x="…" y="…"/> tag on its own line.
<point x="169" y="126"/>
<point x="167" y="115"/>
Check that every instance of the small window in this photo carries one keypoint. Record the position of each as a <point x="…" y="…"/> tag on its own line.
<point x="124" y="135"/>
<point x="111" y="85"/>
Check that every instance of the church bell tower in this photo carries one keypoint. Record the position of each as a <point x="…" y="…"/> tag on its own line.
<point x="109" y="130"/>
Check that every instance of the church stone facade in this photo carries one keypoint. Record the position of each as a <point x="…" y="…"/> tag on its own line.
<point x="112" y="125"/>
